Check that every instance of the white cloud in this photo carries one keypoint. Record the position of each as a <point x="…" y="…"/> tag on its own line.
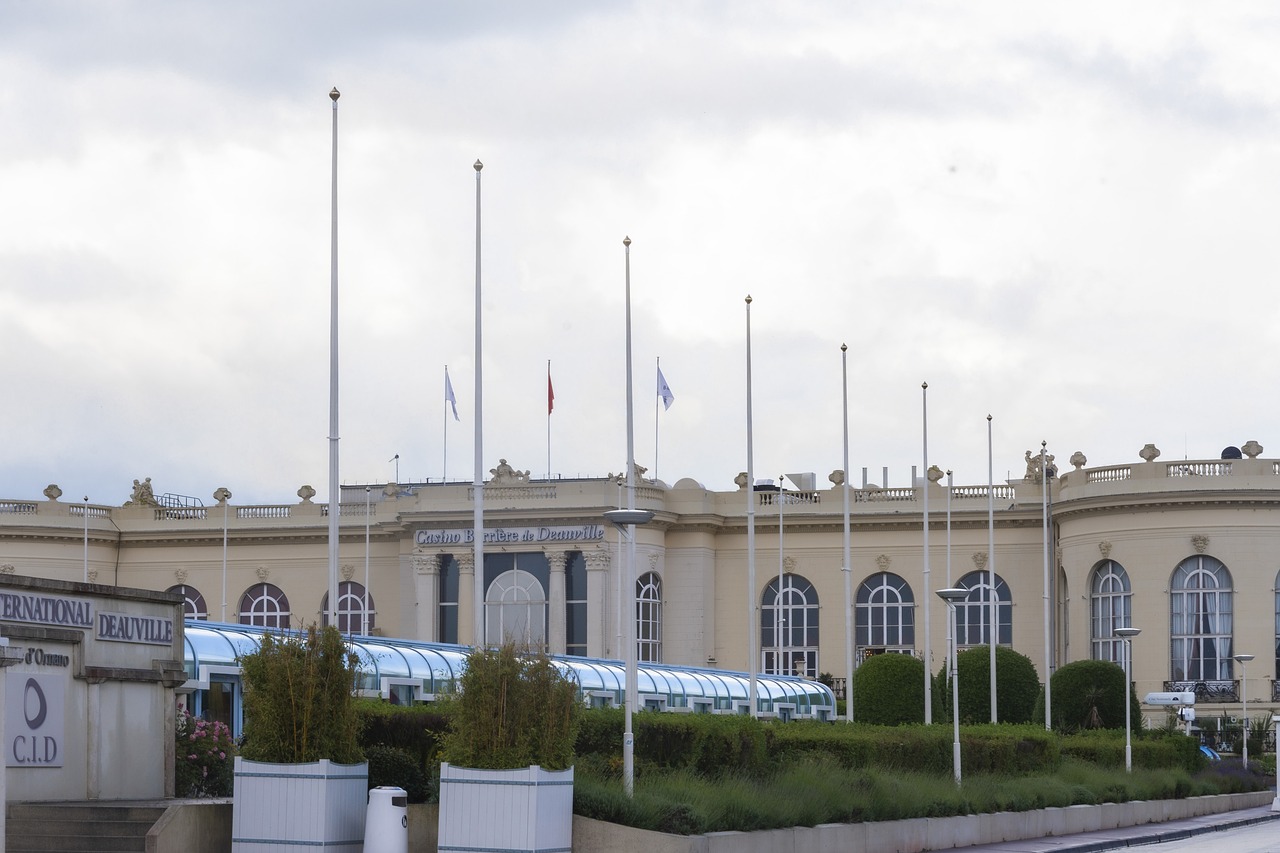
<point x="1055" y="215"/>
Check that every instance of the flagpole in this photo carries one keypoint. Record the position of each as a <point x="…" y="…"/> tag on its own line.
<point x="1048" y="634"/>
<point x="549" y="407"/>
<point x="632" y="697"/>
<point x="924" y="487"/>
<point x="848" y="567"/>
<point x="752" y="627"/>
<point x="335" y="499"/>
<point x="657" y="397"/>
<point x="477" y="630"/>
<point x="444" y="455"/>
<point x="991" y="567"/>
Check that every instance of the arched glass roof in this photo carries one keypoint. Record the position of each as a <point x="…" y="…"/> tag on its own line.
<point x="437" y="666"/>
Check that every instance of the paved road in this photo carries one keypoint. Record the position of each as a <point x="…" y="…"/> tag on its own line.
<point x="1259" y="832"/>
<point x="1258" y="838"/>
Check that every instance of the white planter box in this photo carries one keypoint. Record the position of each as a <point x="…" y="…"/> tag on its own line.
<point x="280" y="806"/>
<point x="530" y="809"/>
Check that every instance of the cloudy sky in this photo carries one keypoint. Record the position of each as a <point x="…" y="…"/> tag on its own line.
<point x="1063" y="215"/>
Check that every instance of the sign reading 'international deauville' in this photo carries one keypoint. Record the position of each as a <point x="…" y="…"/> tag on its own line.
<point x="67" y="612"/>
<point x="513" y="535"/>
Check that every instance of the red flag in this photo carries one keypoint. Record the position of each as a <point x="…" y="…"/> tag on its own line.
<point x="551" y="394"/>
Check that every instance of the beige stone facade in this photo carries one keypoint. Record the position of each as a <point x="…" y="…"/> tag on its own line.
<point x="1164" y="529"/>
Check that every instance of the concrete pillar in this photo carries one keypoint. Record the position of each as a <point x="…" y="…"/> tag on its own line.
<point x="426" y="577"/>
<point x="599" y="619"/>
<point x="556" y="628"/>
<point x="468" y="632"/>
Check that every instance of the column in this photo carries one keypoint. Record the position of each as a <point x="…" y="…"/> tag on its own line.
<point x="556" y="628"/>
<point x="426" y="587"/>
<point x="598" y="611"/>
<point x="468" y="633"/>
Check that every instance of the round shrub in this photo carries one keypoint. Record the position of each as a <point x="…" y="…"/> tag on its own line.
<point x="888" y="690"/>
<point x="1017" y="685"/>
<point x="1089" y="694"/>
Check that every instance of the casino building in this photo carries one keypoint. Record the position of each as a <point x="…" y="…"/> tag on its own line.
<point x="1188" y="551"/>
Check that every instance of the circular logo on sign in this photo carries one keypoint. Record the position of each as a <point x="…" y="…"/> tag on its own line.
<point x="41" y="706"/>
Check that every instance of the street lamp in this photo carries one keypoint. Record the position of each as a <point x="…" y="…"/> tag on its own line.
<point x="626" y="520"/>
<point x="1244" y="703"/>
<point x="1127" y="634"/>
<point x="953" y="596"/>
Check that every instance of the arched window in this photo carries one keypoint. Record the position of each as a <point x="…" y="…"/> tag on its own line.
<point x="973" y="615"/>
<point x="649" y="618"/>
<point x="516" y="610"/>
<point x="351" y="609"/>
<point x="1200" y="620"/>
<point x="193" y="606"/>
<point x="789" y="628"/>
<point x="1110" y="607"/>
<point x="264" y="605"/>
<point x="1277" y="589"/>
<point x="884" y="615"/>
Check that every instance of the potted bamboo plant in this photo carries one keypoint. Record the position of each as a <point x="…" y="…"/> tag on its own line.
<point x="300" y="776"/>
<point x="506" y="782"/>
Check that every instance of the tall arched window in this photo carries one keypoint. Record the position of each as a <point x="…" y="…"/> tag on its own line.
<point x="649" y="617"/>
<point x="193" y="606"/>
<point x="1277" y="592"/>
<point x="264" y="605"/>
<point x="789" y="628"/>
<point x="516" y="610"/>
<point x="973" y="615"/>
<point x="351" y="609"/>
<point x="884" y="615"/>
<point x="1110" y="607"/>
<point x="1200" y="620"/>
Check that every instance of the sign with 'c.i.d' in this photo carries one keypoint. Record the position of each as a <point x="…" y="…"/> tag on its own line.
<point x="33" y="728"/>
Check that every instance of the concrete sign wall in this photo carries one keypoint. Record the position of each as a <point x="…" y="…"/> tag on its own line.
<point x="89" y="705"/>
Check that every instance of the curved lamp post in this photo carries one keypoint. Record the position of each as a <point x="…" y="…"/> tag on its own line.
<point x="1244" y="704"/>
<point x="953" y="596"/>
<point x="1127" y="634"/>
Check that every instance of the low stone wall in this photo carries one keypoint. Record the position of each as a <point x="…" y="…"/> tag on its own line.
<point x="194" y="827"/>
<point x="910" y="836"/>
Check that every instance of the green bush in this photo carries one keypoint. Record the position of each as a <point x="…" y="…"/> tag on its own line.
<point x="392" y="767"/>
<point x="711" y="744"/>
<point x="417" y="729"/>
<point x="888" y="690"/>
<point x="1089" y="694"/>
<point x="514" y="709"/>
<point x="1017" y="685"/>
<point x="299" y="699"/>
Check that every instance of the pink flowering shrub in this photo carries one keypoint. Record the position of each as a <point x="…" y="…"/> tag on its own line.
<point x="204" y="758"/>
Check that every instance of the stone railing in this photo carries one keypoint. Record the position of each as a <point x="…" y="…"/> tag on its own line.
<point x="18" y="507"/>
<point x="789" y="498"/>
<point x="1198" y="469"/>
<point x="276" y="511"/>
<point x="1112" y="474"/>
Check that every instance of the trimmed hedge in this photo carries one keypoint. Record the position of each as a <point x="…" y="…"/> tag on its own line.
<point x="1003" y="749"/>
<point x="1151" y="750"/>
<point x="1089" y="694"/>
<point x="888" y="690"/>
<point x="417" y="729"/>
<point x="710" y="744"/>
<point x="1017" y="685"/>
